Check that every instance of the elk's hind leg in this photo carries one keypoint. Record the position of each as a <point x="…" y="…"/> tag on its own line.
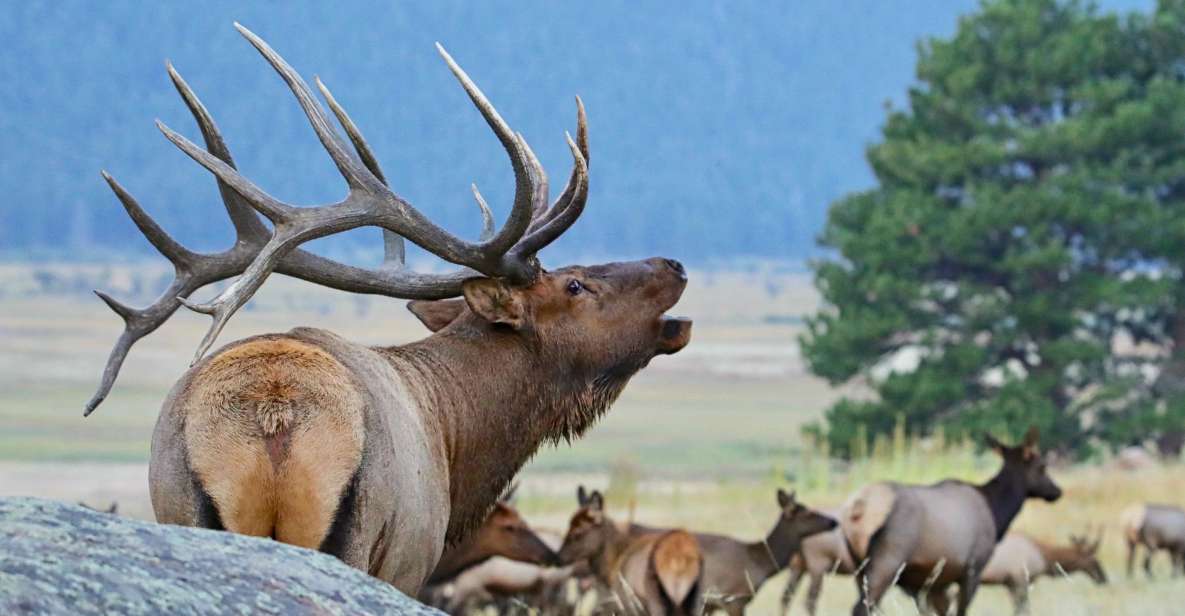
<point x="796" y="570"/>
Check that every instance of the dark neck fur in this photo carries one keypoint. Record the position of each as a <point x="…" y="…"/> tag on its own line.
<point x="1005" y="494"/>
<point x="770" y="556"/>
<point x="492" y="399"/>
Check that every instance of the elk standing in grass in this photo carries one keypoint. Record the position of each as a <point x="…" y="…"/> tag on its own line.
<point x="734" y="570"/>
<point x="1019" y="559"/>
<point x="820" y="555"/>
<point x="383" y="456"/>
<point x="652" y="573"/>
<point x="927" y="538"/>
<point x="1156" y="527"/>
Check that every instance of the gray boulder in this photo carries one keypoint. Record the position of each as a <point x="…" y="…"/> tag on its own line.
<point x="64" y="559"/>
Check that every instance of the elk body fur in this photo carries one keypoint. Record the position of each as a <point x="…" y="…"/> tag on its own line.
<point x="1019" y="559"/>
<point x="735" y="570"/>
<point x="820" y="555"/>
<point x="928" y="538"/>
<point x="1155" y="527"/>
<point x="383" y="456"/>
<point x="656" y="573"/>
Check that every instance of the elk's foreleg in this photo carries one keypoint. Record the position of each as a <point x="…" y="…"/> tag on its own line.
<point x="813" y="592"/>
<point x="1131" y="556"/>
<point x="796" y="570"/>
<point x="1019" y="591"/>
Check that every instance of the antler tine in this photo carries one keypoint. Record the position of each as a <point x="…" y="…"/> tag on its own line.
<point x="329" y="138"/>
<point x="487" y="217"/>
<point x="563" y="215"/>
<point x="574" y="181"/>
<point x="394" y="251"/>
<point x="244" y="219"/>
<point x="539" y="200"/>
<point x="157" y="236"/>
<point x="524" y="183"/>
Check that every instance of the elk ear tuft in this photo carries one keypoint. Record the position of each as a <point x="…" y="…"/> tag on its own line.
<point x="994" y="444"/>
<point x="495" y="301"/>
<point x="436" y="314"/>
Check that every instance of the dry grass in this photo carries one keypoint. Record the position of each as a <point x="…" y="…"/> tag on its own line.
<point x="703" y="437"/>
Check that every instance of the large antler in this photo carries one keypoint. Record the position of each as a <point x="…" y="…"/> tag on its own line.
<point x="508" y="253"/>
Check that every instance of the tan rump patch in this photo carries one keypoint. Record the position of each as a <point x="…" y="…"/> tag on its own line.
<point x="863" y="514"/>
<point x="274" y="432"/>
<point x="677" y="561"/>
<point x="1131" y="521"/>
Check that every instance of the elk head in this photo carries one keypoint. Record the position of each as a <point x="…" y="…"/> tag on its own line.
<point x="1026" y="462"/>
<point x="798" y="520"/>
<point x="1085" y="557"/>
<point x="589" y="530"/>
<point x="505" y="533"/>
<point x="602" y="322"/>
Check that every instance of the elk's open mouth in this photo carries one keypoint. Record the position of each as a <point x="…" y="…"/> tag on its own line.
<point x="673" y="334"/>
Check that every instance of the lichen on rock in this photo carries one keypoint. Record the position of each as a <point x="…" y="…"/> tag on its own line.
<point x="64" y="559"/>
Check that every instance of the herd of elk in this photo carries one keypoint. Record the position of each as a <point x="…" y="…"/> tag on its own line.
<point x="385" y="456"/>
<point x="1156" y="527"/>
<point x="1019" y="559"/>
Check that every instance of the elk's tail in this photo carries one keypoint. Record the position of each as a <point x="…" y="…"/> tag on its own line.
<point x="863" y="515"/>
<point x="274" y="436"/>
<point x="678" y="564"/>
<point x="1131" y="522"/>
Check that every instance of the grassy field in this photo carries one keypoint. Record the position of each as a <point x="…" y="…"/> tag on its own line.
<point x="700" y="439"/>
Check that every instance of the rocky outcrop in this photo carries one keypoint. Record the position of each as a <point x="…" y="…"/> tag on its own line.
<point x="64" y="559"/>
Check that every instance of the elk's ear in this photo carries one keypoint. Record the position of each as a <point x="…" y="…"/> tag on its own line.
<point x="596" y="502"/>
<point x="495" y="301"/>
<point x="784" y="499"/>
<point x="436" y="314"/>
<point x="581" y="496"/>
<point x="994" y="444"/>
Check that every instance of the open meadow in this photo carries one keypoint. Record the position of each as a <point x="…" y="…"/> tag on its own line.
<point x="700" y="439"/>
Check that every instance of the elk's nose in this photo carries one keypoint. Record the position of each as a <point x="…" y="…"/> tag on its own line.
<point x="676" y="267"/>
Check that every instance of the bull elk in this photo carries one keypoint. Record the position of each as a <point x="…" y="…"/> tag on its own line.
<point x="382" y="456"/>
<point x="1020" y="559"/>
<point x="927" y="538"/>
<point x="820" y="555"/>
<point x="1155" y="527"/>
<point x="653" y="573"/>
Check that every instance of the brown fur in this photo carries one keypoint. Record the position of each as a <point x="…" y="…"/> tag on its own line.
<point x="678" y="564"/>
<point x="274" y="438"/>
<point x="387" y="456"/>
<point x="504" y="533"/>
<point x="1019" y="560"/>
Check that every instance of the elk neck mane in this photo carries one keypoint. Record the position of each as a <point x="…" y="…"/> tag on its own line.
<point x="1005" y="494"/>
<point x="495" y="397"/>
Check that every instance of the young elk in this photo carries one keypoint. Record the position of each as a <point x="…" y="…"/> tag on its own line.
<point x="734" y="570"/>
<point x="820" y="555"/>
<point x="1156" y="527"/>
<point x="383" y="456"/>
<point x="926" y="538"/>
<point x="652" y="573"/>
<point x="1020" y="559"/>
<point x="503" y="533"/>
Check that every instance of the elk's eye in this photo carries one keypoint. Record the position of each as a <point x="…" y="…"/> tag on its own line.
<point x="574" y="287"/>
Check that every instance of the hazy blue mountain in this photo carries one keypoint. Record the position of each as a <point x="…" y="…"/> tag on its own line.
<point x="718" y="130"/>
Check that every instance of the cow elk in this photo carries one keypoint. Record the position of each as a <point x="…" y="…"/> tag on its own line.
<point x="1020" y="559"/>
<point x="503" y="533"/>
<point x="383" y="456"/>
<point x="1155" y="527"/>
<point x="820" y="555"/>
<point x="653" y="573"/>
<point x="734" y="570"/>
<point x="927" y="538"/>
